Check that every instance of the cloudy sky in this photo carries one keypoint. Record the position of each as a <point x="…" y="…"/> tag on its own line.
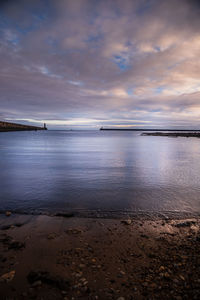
<point x="91" y="63"/>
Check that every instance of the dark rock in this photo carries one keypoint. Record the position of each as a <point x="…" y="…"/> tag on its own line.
<point x="8" y="276"/>
<point x="48" y="279"/>
<point x="5" y="227"/>
<point x="8" y="213"/>
<point x="126" y="222"/>
<point x="37" y="283"/>
<point x="144" y="236"/>
<point x="5" y="239"/>
<point x="18" y="224"/>
<point x="65" y="215"/>
<point x="16" y="245"/>
<point x="185" y="224"/>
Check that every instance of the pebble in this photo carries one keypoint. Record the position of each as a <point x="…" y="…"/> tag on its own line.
<point x="51" y="236"/>
<point x="8" y="213"/>
<point x="64" y="293"/>
<point x="126" y="222"/>
<point x="7" y="277"/>
<point x="122" y="273"/>
<point x="37" y="283"/>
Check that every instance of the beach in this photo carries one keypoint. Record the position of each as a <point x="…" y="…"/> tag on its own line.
<point x="57" y="257"/>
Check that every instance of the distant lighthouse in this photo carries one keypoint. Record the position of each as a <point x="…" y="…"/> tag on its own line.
<point x="45" y="127"/>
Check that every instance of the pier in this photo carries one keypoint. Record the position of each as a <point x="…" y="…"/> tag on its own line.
<point x="6" y="126"/>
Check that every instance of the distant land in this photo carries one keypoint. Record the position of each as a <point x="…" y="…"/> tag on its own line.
<point x="150" y="129"/>
<point x="6" y="126"/>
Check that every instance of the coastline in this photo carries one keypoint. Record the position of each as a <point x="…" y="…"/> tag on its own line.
<point x="57" y="257"/>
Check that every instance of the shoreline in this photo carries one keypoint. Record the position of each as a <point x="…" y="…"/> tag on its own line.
<point x="107" y="214"/>
<point x="57" y="257"/>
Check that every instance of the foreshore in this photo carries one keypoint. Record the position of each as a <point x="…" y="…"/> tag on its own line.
<point x="46" y="257"/>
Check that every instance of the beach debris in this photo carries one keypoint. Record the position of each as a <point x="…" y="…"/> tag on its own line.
<point x="8" y="213"/>
<point x="7" y="277"/>
<point x="47" y="278"/>
<point x="126" y="222"/>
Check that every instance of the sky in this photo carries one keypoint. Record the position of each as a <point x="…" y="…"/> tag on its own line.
<point x="83" y="64"/>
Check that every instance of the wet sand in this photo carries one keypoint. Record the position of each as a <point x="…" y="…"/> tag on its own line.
<point x="45" y="257"/>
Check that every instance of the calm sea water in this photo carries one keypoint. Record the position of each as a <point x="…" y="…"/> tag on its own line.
<point x="77" y="170"/>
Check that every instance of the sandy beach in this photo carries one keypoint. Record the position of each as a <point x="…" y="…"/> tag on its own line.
<point x="46" y="257"/>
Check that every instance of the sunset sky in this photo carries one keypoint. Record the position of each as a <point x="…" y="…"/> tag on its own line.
<point x="90" y="63"/>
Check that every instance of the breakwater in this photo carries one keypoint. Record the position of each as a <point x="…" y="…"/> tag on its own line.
<point x="151" y="130"/>
<point x="174" y="134"/>
<point x="6" y="126"/>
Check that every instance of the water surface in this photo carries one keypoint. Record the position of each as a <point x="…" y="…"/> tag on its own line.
<point x="86" y="170"/>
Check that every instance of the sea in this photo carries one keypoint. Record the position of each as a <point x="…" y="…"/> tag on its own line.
<point x="98" y="171"/>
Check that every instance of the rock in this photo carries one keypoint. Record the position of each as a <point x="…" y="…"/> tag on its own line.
<point x="7" y="277"/>
<point x="185" y="224"/>
<point x="37" y="283"/>
<point x="81" y="266"/>
<point x="161" y="269"/>
<point x="122" y="273"/>
<point x="8" y="213"/>
<point x="73" y="231"/>
<point x="16" y="245"/>
<point x="182" y="277"/>
<point x="51" y="236"/>
<point x="64" y="293"/>
<point x="126" y="222"/>
<point x="49" y="279"/>
<point x="121" y="298"/>
<point x="19" y="224"/>
<point x="5" y="227"/>
<point x="144" y="236"/>
<point x="65" y="215"/>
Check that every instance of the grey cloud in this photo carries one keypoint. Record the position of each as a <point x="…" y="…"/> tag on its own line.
<point x="106" y="60"/>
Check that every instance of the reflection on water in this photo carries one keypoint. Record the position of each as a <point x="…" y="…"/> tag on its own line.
<point x="61" y="170"/>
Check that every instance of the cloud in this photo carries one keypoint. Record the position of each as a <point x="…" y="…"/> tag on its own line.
<point x="119" y="62"/>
